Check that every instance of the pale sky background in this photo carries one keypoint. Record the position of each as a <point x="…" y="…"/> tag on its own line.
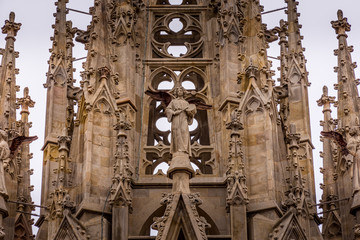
<point x="33" y="43"/>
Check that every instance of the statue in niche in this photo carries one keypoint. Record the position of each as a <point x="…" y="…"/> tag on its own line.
<point x="4" y="156"/>
<point x="180" y="111"/>
<point x="181" y="114"/>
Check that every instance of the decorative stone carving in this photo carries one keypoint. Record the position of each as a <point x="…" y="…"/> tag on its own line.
<point x="4" y="156"/>
<point x="123" y="18"/>
<point x="68" y="204"/>
<point x="354" y="148"/>
<point x="288" y="227"/>
<point x="190" y="36"/>
<point x="187" y="204"/>
<point x="281" y="92"/>
<point x="236" y="179"/>
<point x="201" y="221"/>
<point x="11" y="28"/>
<point x="271" y="35"/>
<point x="159" y="222"/>
<point x="341" y="25"/>
<point x="82" y="36"/>
<point x="180" y="113"/>
<point x="63" y="142"/>
<point x="231" y="20"/>
<point x="123" y="170"/>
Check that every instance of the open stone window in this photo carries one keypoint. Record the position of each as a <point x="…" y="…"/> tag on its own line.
<point x="159" y="134"/>
<point x="177" y="35"/>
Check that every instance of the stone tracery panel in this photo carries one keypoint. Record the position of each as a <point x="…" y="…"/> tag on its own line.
<point x="186" y="33"/>
<point x="158" y="138"/>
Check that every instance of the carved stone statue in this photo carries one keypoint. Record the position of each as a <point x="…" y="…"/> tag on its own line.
<point x="4" y="155"/>
<point x="181" y="114"/>
<point x="354" y="148"/>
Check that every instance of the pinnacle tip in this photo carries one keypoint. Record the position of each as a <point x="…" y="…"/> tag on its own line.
<point x="26" y="91"/>
<point x="325" y="90"/>
<point x="12" y="16"/>
<point x="340" y="14"/>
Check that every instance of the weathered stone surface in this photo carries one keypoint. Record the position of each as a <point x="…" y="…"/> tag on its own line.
<point x="114" y="169"/>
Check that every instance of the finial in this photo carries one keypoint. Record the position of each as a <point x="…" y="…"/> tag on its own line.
<point x="26" y="92"/>
<point x="325" y="90"/>
<point x="341" y="25"/>
<point x="12" y="17"/>
<point x="340" y="14"/>
<point x="11" y="28"/>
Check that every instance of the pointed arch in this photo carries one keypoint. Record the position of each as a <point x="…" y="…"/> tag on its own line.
<point x="102" y="105"/>
<point x="145" y="229"/>
<point x="161" y="74"/>
<point x="253" y="104"/>
<point x="259" y="141"/>
<point x="198" y="81"/>
<point x="22" y="228"/>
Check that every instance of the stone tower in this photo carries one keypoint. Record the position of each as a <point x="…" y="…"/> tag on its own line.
<point x="238" y="167"/>
<point x="15" y="201"/>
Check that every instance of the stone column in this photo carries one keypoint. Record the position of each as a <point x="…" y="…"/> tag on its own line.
<point x="180" y="171"/>
<point x="120" y="222"/>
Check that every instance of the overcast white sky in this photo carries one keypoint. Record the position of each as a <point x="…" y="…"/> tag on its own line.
<point x="33" y="43"/>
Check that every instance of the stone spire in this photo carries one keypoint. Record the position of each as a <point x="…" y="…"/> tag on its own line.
<point x="111" y="31"/>
<point x="8" y="73"/>
<point x="330" y="191"/>
<point x="23" y="219"/>
<point x="59" y="124"/>
<point x="8" y="126"/>
<point x="348" y="126"/>
<point x="295" y="76"/>
<point x="60" y="80"/>
<point x="294" y="37"/>
<point x="256" y="64"/>
<point x="348" y="107"/>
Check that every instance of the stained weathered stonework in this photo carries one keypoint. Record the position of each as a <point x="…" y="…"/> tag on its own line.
<point x="180" y="131"/>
